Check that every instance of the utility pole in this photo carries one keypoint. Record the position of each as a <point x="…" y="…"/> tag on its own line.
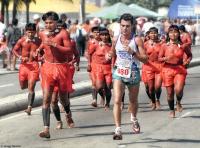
<point x="82" y="11"/>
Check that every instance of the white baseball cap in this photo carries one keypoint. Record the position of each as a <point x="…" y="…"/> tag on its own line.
<point x="36" y="16"/>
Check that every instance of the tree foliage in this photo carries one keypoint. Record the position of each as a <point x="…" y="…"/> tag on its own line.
<point x="149" y="4"/>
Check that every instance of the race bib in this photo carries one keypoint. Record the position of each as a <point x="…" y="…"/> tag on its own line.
<point x="124" y="72"/>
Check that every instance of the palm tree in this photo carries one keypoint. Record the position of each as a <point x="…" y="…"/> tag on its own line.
<point x="4" y="7"/>
<point x="16" y="5"/>
<point x="27" y="4"/>
<point x="82" y="11"/>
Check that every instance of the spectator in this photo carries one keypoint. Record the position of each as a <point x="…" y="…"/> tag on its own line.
<point x="13" y="35"/>
<point x="2" y="41"/>
<point x="81" y="35"/>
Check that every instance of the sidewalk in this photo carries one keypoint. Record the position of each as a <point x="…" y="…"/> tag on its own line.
<point x="18" y="102"/>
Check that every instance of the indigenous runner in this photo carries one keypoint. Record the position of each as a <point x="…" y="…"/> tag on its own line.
<point x="101" y="66"/>
<point x="152" y="69"/>
<point x="143" y="75"/>
<point x="127" y="51"/>
<point x="173" y="71"/>
<point x="72" y="58"/>
<point x="29" y="67"/>
<point x="55" y="70"/>
<point x="187" y="42"/>
<point x="94" y="41"/>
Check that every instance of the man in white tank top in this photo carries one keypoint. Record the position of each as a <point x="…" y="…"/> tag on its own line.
<point x="127" y="51"/>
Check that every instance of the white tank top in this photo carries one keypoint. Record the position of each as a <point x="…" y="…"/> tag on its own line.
<point x="124" y="59"/>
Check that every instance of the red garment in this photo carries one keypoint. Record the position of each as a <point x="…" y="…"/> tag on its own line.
<point x="102" y="72"/>
<point x="101" y="67"/>
<point x="56" y="75"/>
<point x="152" y="69"/>
<point x="29" y="71"/>
<point x="172" y="74"/>
<point x="173" y="70"/>
<point x="187" y="42"/>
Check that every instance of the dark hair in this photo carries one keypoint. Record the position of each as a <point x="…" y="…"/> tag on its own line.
<point x="153" y="29"/>
<point x="30" y="27"/>
<point x="15" y="22"/>
<point x="63" y="16"/>
<point x="173" y="27"/>
<point x="182" y="27"/>
<point x="96" y="28"/>
<point x="62" y="24"/>
<point x="126" y="17"/>
<point x="104" y="30"/>
<point x="50" y="15"/>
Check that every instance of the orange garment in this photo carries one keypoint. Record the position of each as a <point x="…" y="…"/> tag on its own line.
<point x="173" y="70"/>
<point x="101" y="67"/>
<point x="90" y="51"/>
<point x="187" y="42"/>
<point x="54" y="74"/>
<point x="152" y="69"/>
<point x="29" y="71"/>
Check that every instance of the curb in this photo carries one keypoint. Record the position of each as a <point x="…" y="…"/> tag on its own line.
<point x="195" y="62"/>
<point x="19" y="102"/>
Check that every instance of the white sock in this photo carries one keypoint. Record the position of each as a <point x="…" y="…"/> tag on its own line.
<point x="118" y="130"/>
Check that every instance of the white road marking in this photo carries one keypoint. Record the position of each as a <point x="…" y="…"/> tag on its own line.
<point x="7" y="85"/>
<point x="185" y="115"/>
<point x="38" y="109"/>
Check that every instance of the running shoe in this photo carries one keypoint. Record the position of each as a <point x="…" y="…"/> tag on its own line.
<point x="136" y="126"/>
<point x="117" y="134"/>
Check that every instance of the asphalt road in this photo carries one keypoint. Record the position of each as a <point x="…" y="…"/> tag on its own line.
<point x="94" y="127"/>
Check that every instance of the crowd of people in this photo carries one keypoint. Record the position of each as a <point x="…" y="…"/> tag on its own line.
<point x="114" y="53"/>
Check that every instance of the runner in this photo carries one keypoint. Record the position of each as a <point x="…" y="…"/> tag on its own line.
<point x="143" y="75"/>
<point x="29" y="67"/>
<point x="94" y="41"/>
<point x="55" y="70"/>
<point x="152" y="69"/>
<point x="173" y="71"/>
<point x="187" y="42"/>
<point x="101" y="66"/>
<point x="127" y="51"/>
<point x="73" y="58"/>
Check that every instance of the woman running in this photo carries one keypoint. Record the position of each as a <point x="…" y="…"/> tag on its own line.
<point x="173" y="71"/>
